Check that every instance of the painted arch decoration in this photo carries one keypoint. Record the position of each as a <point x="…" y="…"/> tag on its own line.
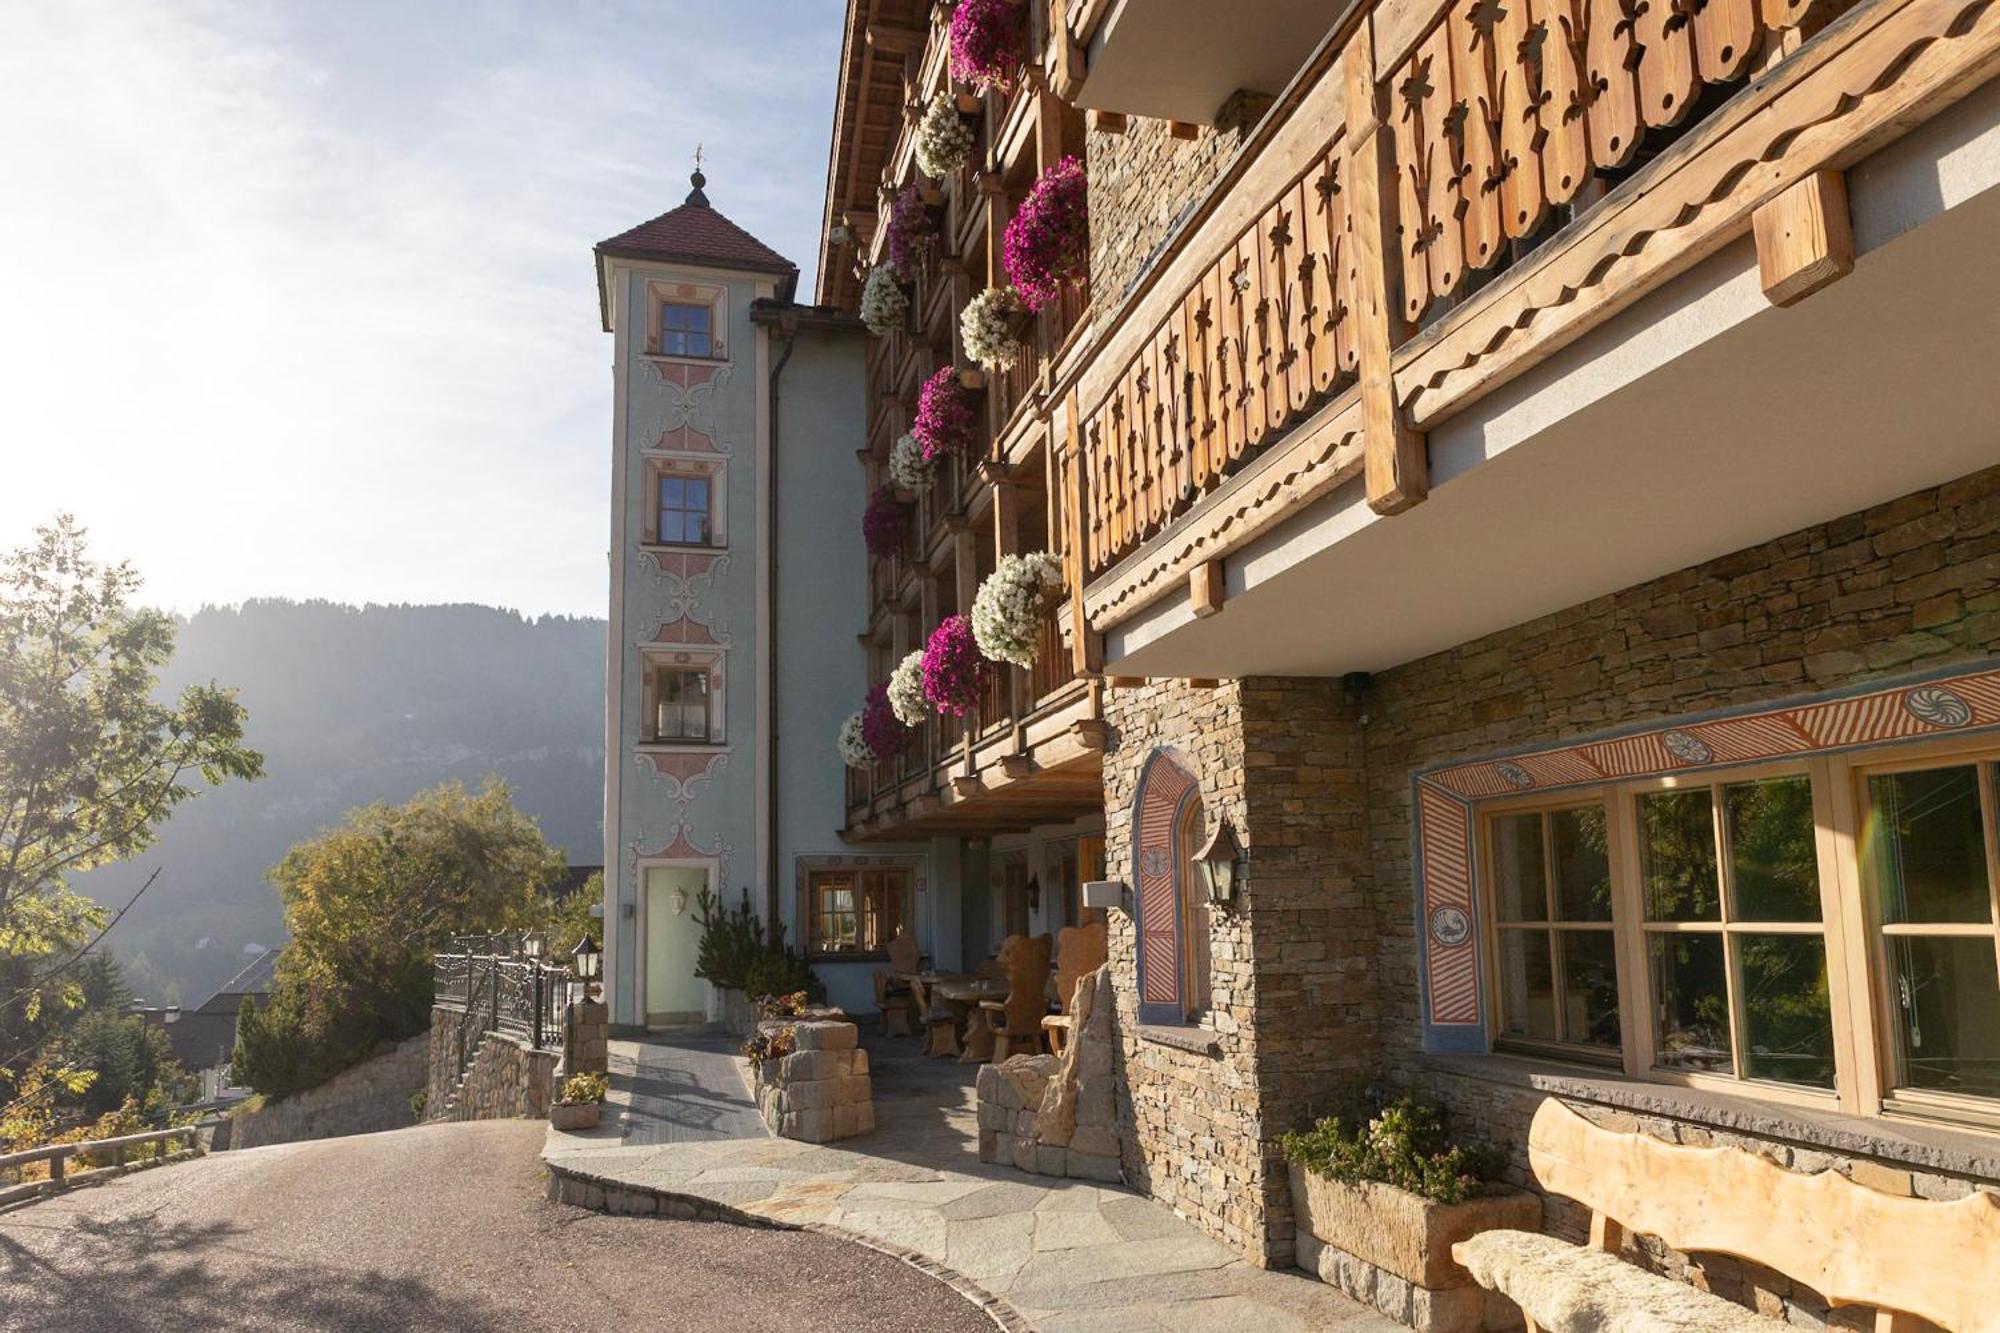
<point x="1159" y="815"/>
<point x="1448" y="924"/>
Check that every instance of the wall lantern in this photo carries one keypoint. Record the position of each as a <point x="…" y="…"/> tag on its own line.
<point x="1217" y="861"/>
<point x="588" y="959"/>
<point x="1104" y="894"/>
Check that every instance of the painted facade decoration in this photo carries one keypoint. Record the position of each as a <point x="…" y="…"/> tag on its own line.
<point x="1446" y="799"/>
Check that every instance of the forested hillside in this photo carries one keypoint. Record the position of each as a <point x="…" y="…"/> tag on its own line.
<point x="351" y="705"/>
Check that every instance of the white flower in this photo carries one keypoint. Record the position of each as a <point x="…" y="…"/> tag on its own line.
<point x="906" y="691"/>
<point x="991" y="327"/>
<point x="884" y="304"/>
<point x="854" y="750"/>
<point x="907" y="467"/>
<point x="1007" y="610"/>
<point x="944" y="140"/>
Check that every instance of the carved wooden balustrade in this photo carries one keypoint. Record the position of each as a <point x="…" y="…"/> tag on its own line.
<point x="1504" y="174"/>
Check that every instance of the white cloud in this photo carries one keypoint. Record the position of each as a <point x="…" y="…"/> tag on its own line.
<point x="298" y="301"/>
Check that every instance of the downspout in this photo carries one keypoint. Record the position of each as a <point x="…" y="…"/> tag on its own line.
<point x="788" y="328"/>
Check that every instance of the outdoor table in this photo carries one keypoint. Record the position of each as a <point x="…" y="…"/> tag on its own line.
<point x="964" y="998"/>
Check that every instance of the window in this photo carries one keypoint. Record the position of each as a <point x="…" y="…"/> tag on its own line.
<point x="682" y="514"/>
<point x="685" y="329"/>
<point x="680" y="705"/>
<point x="1735" y="946"/>
<point x="858" y="911"/>
<point x="1928" y="851"/>
<point x="1557" y="957"/>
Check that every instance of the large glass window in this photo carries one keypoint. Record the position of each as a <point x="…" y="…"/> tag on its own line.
<point x="681" y="710"/>
<point x="1928" y="846"/>
<point x="1558" y="973"/>
<point x="1735" y="948"/>
<point x="859" y="911"/>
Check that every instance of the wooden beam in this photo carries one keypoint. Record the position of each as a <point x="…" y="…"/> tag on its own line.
<point x="893" y="39"/>
<point x="1395" y="462"/>
<point x="1205" y="589"/>
<point x="1106" y="122"/>
<point x="1007" y="498"/>
<point x="1124" y="682"/>
<point x="1066" y="55"/>
<point x="1181" y="129"/>
<point x="1203" y="683"/>
<point x="1805" y="238"/>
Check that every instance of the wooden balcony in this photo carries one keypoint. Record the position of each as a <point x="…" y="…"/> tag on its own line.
<point x="1445" y="197"/>
<point x="1032" y="754"/>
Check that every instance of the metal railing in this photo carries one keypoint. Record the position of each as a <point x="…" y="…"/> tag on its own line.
<point x="119" y="1150"/>
<point x="500" y="989"/>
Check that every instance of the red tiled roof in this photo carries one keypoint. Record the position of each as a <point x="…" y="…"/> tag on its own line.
<point x="694" y="233"/>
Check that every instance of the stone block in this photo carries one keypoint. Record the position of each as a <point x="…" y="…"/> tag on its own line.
<point x="852" y="1119"/>
<point x="824" y="1036"/>
<point x="1095" y="1140"/>
<point x="852" y="1088"/>
<point x="1450" y="1310"/>
<point x="1025" y="1123"/>
<point x="1024" y="1154"/>
<point x="988" y="1083"/>
<point x="993" y="1116"/>
<point x="1088" y="1166"/>
<point x="989" y="1141"/>
<point x="1051" y="1160"/>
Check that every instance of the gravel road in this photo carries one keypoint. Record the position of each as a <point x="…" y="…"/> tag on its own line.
<point x="432" y="1228"/>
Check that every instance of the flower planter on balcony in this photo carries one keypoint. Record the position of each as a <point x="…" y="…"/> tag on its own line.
<point x="1392" y="1248"/>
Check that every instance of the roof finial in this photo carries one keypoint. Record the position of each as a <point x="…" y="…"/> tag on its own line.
<point x="695" y="196"/>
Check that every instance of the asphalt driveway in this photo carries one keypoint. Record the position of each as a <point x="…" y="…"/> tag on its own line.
<point x="434" y="1228"/>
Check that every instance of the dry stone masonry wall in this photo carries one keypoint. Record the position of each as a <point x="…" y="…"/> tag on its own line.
<point x="820" y="1092"/>
<point x="1057" y="1116"/>
<point x="374" y="1095"/>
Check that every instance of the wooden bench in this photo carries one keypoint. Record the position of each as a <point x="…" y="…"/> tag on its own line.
<point x="1906" y="1257"/>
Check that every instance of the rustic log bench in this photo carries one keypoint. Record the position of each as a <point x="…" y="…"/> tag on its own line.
<point x="1908" y="1258"/>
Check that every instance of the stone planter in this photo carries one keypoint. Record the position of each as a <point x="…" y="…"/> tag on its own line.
<point x="732" y="1011"/>
<point x="1392" y="1249"/>
<point x="575" y="1115"/>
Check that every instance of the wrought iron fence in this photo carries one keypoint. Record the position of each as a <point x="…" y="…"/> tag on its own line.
<point x="500" y="990"/>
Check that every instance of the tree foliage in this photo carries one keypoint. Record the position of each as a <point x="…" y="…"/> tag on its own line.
<point x="90" y="762"/>
<point x="366" y="904"/>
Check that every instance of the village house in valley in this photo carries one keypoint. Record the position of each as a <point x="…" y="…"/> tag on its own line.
<point x="1531" y="480"/>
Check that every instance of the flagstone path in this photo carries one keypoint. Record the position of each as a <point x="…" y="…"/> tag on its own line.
<point x="1056" y="1255"/>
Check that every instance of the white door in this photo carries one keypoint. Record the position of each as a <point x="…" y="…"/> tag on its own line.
<point x="674" y="994"/>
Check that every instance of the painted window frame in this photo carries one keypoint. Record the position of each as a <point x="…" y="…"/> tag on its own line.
<point x="1859" y="980"/>
<point x="661" y="464"/>
<point x="661" y="293"/>
<point x="656" y="658"/>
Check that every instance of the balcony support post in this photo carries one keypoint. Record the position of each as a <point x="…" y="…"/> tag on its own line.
<point x="1805" y="238"/>
<point x="1395" y="462"/>
<point x="1087" y="650"/>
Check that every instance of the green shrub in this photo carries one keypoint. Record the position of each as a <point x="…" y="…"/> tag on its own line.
<point x="579" y="1088"/>
<point x="734" y="951"/>
<point x="1406" y="1143"/>
<point x="418" y="1101"/>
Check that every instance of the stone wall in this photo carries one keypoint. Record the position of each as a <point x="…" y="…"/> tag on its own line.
<point x="506" y="1078"/>
<point x="820" y="1089"/>
<point x="1143" y="181"/>
<point x="1058" y="1115"/>
<point x="373" y="1095"/>
<point x="1289" y="1014"/>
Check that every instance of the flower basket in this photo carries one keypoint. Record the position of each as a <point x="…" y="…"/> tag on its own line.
<point x="882" y="731"/>
<point x="1047" y="245"/>
<point x="884" y="304"/>
<point x="853" y="746"/>
<point x="906" y="690"/>
<point x="954" y="672"/>
<point x="1007" y="611"/>
<point x="885" y="524"/>
<point x="944" y="140"/>
<point x="908" y="467"/>
<point x="994" y="327"/>
<point x="912" y="232"/>
<point x="987" y="39"/>
<point x="945" y="420"/>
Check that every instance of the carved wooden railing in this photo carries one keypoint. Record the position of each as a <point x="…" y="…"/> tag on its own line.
<point x="1595" y="147"/>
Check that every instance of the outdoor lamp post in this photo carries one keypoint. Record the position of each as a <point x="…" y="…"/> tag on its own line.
<point x="535" y="944"/>
<point x="1217" y="861"/>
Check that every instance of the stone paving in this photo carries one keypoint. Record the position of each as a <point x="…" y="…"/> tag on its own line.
<point x="1065" y="1256"/>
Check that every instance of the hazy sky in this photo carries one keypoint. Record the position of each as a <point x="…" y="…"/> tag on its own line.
<point x="296" y="297"/>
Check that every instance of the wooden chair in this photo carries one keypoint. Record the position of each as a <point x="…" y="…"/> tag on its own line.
<point x="1017" y="1020"/>
<point x="893" y="995"/>
<point x="1911" y="1259"/>
<point x="1080" y="950"/>
<point x="940" y="1023"/>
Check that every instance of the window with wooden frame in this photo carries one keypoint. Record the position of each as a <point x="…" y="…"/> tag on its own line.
<point x="686" y="320"/>
<point x="858" y="911"/>
<point x="1556" y="958"/>
<point x="1930" y="860"/>
<point x="683" y="698"/>
<point x="683" y="505"/>
<point x="1821" y="931"/>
